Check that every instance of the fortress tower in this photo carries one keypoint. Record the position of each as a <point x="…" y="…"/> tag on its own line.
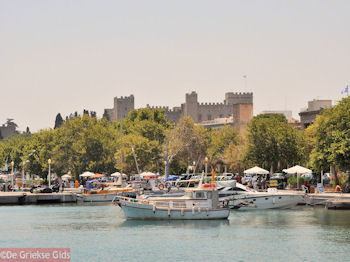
<point x="122" y="106"/>
<point x="191" y="106"/>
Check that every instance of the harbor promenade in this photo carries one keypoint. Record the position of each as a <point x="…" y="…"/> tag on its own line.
<point x="15" y="198"/>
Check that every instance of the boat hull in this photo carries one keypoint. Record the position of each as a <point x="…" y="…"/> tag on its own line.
<point x="144" y="211"/>
<point x="265" y="202"/>
<point x="97" y="197"/>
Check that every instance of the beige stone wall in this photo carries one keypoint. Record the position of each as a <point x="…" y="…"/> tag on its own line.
<point x="240" y="105"/>
<point x="7" y="131"/>
<point x="242" y="114"/>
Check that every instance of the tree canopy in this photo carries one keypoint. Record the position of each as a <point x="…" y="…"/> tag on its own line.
<point x="331" y="136"/>
<point x="272" y="143"/>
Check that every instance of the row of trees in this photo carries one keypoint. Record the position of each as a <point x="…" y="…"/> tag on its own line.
<point x="87" y="143"/>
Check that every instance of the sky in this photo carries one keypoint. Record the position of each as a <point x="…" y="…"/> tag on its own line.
<point x="63" y="56"/>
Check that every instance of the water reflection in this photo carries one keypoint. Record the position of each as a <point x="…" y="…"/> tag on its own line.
<point x="100" y="232"/>
<point x="194" y="224"/>
<point x="339" y="218"/>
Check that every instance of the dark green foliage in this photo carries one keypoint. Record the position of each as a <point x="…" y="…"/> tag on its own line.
<point x="59" y="121"/>
<point x="273" y="144"/>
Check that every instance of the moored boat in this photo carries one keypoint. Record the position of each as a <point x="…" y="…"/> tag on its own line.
<point x="195" y="204"/>
<point x="240" y="197"/>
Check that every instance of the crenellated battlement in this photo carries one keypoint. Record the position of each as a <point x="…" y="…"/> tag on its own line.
<point x="165" y="108"/>
<point x="238" y="98"/>
<point x="238" y="104"/>
<point x="124" y="98"/>
<point x="211" y="104"/>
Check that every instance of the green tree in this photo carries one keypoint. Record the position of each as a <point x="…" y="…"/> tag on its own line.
<point x="272" y="143"/>
<point x="331" y="133"/>
<point x="144" y="130"/>
<point x="85" y="143"/>
<point x="188" y="143"/>
<point x="223" y="140"/>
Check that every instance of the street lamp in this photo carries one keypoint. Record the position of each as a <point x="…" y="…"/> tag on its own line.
<point x="206" y="165"/>
<point x="12" y="173"/>
<point x="49" y="162"/>
<point x="165" y="171"/>
<point x="23" y="167"/>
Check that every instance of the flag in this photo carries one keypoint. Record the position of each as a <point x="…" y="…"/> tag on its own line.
<point x="345" y="90"/>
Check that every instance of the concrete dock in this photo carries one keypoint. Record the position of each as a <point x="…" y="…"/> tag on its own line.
<point x="15" y="198"/>
<point x="340" y="204"/>
<point x="326" y="199"/>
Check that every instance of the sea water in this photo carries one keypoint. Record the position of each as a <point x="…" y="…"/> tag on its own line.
<point x="99" y="232"/>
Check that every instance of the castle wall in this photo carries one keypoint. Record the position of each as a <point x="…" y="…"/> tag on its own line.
<point x="242" y="114"/>
<point x="123" y="106"/>
<point x="7" y="131"/>
<point x="238" y="105"/>
<point x="172" y="115"/>
<point x="210" y="111"/>
<point x="110" y="114"/>
<point x="191" y="106"/>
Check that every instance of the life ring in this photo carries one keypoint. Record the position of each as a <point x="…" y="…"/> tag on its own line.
<point x="161" y="186"/>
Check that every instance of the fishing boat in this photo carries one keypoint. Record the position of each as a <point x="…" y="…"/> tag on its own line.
<point x="196" y="204"/>
<point x="100" y="191"/>
<point x="238" y="196"/>
<point x="105" y="195"/>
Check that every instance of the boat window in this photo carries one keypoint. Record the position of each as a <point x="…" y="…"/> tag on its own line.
<point x="266" y="198"/>
<point x="238" y="189"/>
<point x="200" y="195"/>
<point x="209" y="195"/>
<point x="162" y="204"/>
<point x="279" y="197"/>
<point x="254" y="199"/>
<point x="179" y="204"/>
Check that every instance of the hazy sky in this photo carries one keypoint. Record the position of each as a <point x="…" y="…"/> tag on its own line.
<point x="63" y="56"/>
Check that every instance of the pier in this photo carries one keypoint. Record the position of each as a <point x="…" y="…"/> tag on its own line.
<point x="15" y="198"/>
<point x="329" y="200"/>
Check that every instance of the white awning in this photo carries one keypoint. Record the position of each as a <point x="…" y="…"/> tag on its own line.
<point x="297" y="170"/>
<point x="256" y="170"/>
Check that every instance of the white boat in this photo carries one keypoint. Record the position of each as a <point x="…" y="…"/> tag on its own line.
<point x="195" y="204"/>
<point x="104" y="195"/>
<point x="240" y="197"/>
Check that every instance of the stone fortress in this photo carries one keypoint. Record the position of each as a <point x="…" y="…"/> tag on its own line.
<point x="237" y="109"/>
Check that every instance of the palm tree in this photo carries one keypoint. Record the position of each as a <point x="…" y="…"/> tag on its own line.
<point x="10" y="122"/>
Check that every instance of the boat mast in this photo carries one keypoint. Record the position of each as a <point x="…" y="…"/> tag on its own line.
<point x="133" y="152"/>
<point x="121" y="145"/>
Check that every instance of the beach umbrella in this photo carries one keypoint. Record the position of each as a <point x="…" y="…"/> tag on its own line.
<point x="297" y="170"/>
<point x="97" y="176"/>
<point x="67" y="176"/>
<point x="256" y="170"/>
<point x="148" y="175"/>
<point x="87" y="174"/>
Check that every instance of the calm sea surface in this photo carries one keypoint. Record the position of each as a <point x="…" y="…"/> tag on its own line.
<point x="100" y="233"/>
